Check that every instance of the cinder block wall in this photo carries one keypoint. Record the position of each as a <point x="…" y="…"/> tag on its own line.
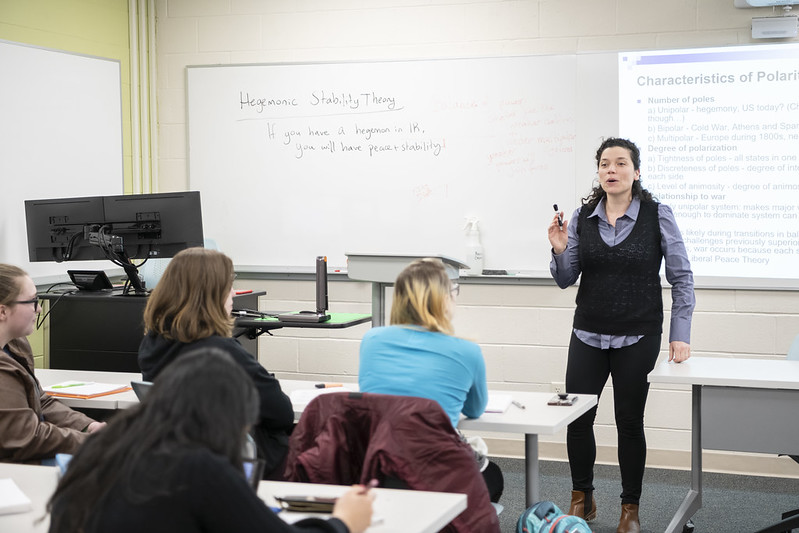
<point x="523" y="329"/>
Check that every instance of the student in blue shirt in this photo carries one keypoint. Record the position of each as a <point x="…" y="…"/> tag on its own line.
<point x="418" y="355"/>
<point x="617" y="241"/>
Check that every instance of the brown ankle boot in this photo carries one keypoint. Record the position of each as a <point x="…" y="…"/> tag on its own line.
<point x="577" y="507"/>
<point x="628" y="523"/>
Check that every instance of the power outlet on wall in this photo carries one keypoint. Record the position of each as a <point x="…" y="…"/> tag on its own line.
<point x="558" y="387"/>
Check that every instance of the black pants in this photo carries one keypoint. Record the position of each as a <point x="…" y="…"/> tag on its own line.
<point x="587" y="372"/>
<point x="495" y="481"/>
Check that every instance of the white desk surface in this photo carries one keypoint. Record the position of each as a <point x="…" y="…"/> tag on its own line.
<point x="730" y="372"/>
<point x="431" y="511"/>
<point x="120" y="400"/>
<point x="536" y="418"/>
<point x="408" y="511"/>
<point x="38" y="483"/>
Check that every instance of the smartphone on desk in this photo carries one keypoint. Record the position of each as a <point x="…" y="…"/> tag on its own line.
<point x="306" y="504"/>
<point x="562" y="399"/>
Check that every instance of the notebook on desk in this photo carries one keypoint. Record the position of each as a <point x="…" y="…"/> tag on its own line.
<point x="84" y="389"/>
<point x="498" y="403"/>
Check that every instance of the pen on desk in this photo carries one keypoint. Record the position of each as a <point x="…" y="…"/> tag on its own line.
<point x="560" y="217"/>
<point x="520" y="405"/>
<point x="328" y="385"/>
<point x="69" y="385"/>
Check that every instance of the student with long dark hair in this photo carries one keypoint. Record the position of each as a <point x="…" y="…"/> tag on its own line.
<point x="174" y="463"/>
<point x="616" y="243"/>
<point x="190" y="308"/>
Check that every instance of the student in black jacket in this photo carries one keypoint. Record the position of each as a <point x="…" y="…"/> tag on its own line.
<point x="190" y="308"/>
<point x="173" y="463"/>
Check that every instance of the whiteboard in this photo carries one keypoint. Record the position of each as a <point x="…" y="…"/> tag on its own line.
<point x="300" y="160"/>
<point x="60" y="136"/>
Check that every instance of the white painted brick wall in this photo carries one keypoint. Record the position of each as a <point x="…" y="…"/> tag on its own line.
<point x="523" y="330"/>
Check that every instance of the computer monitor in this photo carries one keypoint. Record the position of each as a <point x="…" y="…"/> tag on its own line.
<point x="116" y="228"/>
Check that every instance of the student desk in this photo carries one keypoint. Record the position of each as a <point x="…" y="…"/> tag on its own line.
<point x="746" y="405"/>
<point x="537" y="418"/>
<point x="102" y="330"/>
<point x="119" y="400"/>
<point x="396" y="510"/>
<point x="409" y="511"/>
<point x="38" y="483"/>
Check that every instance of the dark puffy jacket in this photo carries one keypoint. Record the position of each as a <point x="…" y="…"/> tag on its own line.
<point x="346" y="438"/>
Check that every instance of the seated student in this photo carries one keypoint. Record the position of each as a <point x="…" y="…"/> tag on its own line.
<point x="33" y="425"/>
<point x="418" y="355"/>
<point x="174" y="463"/>
<point x="190" y="308"/>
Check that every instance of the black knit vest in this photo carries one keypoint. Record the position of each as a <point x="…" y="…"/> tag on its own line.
<point x="620" y="291"/>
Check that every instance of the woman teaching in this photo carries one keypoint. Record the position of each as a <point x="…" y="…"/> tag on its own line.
<point x="615" y="243"/>
<point x="190" y="308"/>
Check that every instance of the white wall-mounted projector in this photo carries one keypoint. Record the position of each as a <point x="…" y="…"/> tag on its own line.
<point x="774" y="27"/>
<point x="765" y="3"/>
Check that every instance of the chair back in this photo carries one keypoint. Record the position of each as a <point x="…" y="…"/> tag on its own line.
<point x="345" y="438"/>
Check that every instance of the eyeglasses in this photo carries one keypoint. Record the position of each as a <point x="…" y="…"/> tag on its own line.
<point x="455" y="289"/>
<point x="37" y="302"/>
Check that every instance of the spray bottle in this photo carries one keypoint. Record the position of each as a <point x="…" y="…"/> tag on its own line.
<point x="474" y="249"/>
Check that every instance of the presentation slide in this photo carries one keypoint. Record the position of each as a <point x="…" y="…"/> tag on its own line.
<point x="718" y="130"/>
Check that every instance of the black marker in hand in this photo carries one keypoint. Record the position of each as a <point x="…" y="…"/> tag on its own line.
<point x="560" y="217"/>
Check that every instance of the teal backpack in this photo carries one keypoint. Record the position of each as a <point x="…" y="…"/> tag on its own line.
<point x="546" y="517"/>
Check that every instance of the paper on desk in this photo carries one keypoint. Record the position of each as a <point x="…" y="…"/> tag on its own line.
<point x="304" y="396"/>
<point x="84" y="389"/>
<point x="12" y="499"/>
<point x="498" y="403"/>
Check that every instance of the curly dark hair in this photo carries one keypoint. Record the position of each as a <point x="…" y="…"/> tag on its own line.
<point x="638" y="191"/>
